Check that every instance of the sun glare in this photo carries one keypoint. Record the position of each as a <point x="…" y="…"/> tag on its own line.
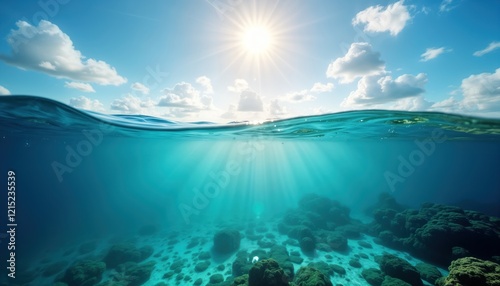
<point x="256" y="40"/>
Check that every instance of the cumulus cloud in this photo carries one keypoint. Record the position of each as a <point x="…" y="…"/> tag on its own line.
<point x="482" y="92"/>
<point x="230" y="113"/>
<point x="320" y="87"/>
<point x="183" y="95"/>
<point x="137" y="86"/>
<point x="86" y="103"/>
<point x="132" y="105"/>
<point x="490" y="48"/>
<point x="4" y="91"/>
<point x="432" y="53"/>
<point x="359" y="61"/>
<point x="415" y="103"/>
<point x="447" y="105"/>
<point x="85" y="87"/>
<point x="390" y="19"/>
<point x="379" y="90"/>
<point x="238" y="86"/>
<point x="299" y="96"/>
<point x="47" y="49"/>
<point x="250" y="101"/>
<point x="276" y="109"/>
<point x="206" y="84"/>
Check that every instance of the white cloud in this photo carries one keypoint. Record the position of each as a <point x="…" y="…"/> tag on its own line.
<point x="374" y="90"/>
<point x="206" y="84"/>
<point x="446" y="5"/>
<point x="250" y="101"/>
<point x="490" y="48"/>
<point x="415" y="103"/>
<point x="432" y="53"/>
<point x="447" y="105"/>
<point x="85" y="87"/>
<point x="299" y="96"/>
<point x="47" y="66"/>
<point x="239" y="86"/>
<point x="4" y="91"/>
<point x="132" y="105"/>
<point x="320" y="87"/>
<point x="86" y="103"/>
<point x="137" y="86"/>
<point x="391" y="19"/>
<point x="47" y="49"/>
<point x="230" y="113"/>
<point x="482" y="92"/>
<point x="276" y="109"/>
<point x="184" y="96"/>
<point x="359" y="61"/>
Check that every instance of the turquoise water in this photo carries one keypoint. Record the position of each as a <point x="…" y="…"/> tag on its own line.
<point x="84" y="176"/>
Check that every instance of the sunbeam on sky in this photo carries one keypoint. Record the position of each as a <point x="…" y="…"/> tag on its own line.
<point x="230" y="60"/>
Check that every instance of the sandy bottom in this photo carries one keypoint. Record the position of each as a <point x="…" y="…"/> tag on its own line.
<point x="171" y="246"/>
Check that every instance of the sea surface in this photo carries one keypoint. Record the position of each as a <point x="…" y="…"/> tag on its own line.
<point x="83" y="176"/>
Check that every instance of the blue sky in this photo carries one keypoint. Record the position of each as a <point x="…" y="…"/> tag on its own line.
<point x="227" y="60"/>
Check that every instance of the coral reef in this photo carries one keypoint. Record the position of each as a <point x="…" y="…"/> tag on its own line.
<point x="84" y="273"/>
<point x="267" y="273"/>
<point x="472" y="271"/>
<point x="437" y="233"/>
<point x="320" y="223"/>
<point x="399" y="268"/>
<point x="126" y="252"/>
<point x="308" y="276"/>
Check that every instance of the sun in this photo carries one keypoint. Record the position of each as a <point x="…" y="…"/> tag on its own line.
<point x="256" y="39"/>
<point x="259" y="41"/>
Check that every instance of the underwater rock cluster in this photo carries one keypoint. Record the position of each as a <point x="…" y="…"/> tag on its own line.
<point x="83" y="273"/>
<point x="472" y="271"/>
<point x="123" y="262"/>
<point x="317" y="243"/>
<point x="269" y="273"/>
<point x="399" y="268"/>
<point x="243" y="262"/>
<point x="437" y="233"/>
<point x="320" y="223"/>
<point x="227" y="240"/>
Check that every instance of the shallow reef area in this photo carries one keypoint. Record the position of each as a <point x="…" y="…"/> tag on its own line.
<point x="316" y="243"/>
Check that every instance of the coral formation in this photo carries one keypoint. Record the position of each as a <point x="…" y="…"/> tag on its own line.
<point x="84" y="273"/>
<point x="126" y="252"/>
<point x="267" y="273"/>
<point x="437" y="233"/>
<point x="308" y="276"/>
<point x="399" y="268"/>
<point x="472" y="271"/>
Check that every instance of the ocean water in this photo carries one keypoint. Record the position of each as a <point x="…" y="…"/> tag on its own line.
<point x="83" y="176"/>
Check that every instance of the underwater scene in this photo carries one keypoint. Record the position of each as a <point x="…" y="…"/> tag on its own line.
<point x="371" y="197"/>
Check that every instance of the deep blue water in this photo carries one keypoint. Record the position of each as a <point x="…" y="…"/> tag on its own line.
<point x="82" y="175"/>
